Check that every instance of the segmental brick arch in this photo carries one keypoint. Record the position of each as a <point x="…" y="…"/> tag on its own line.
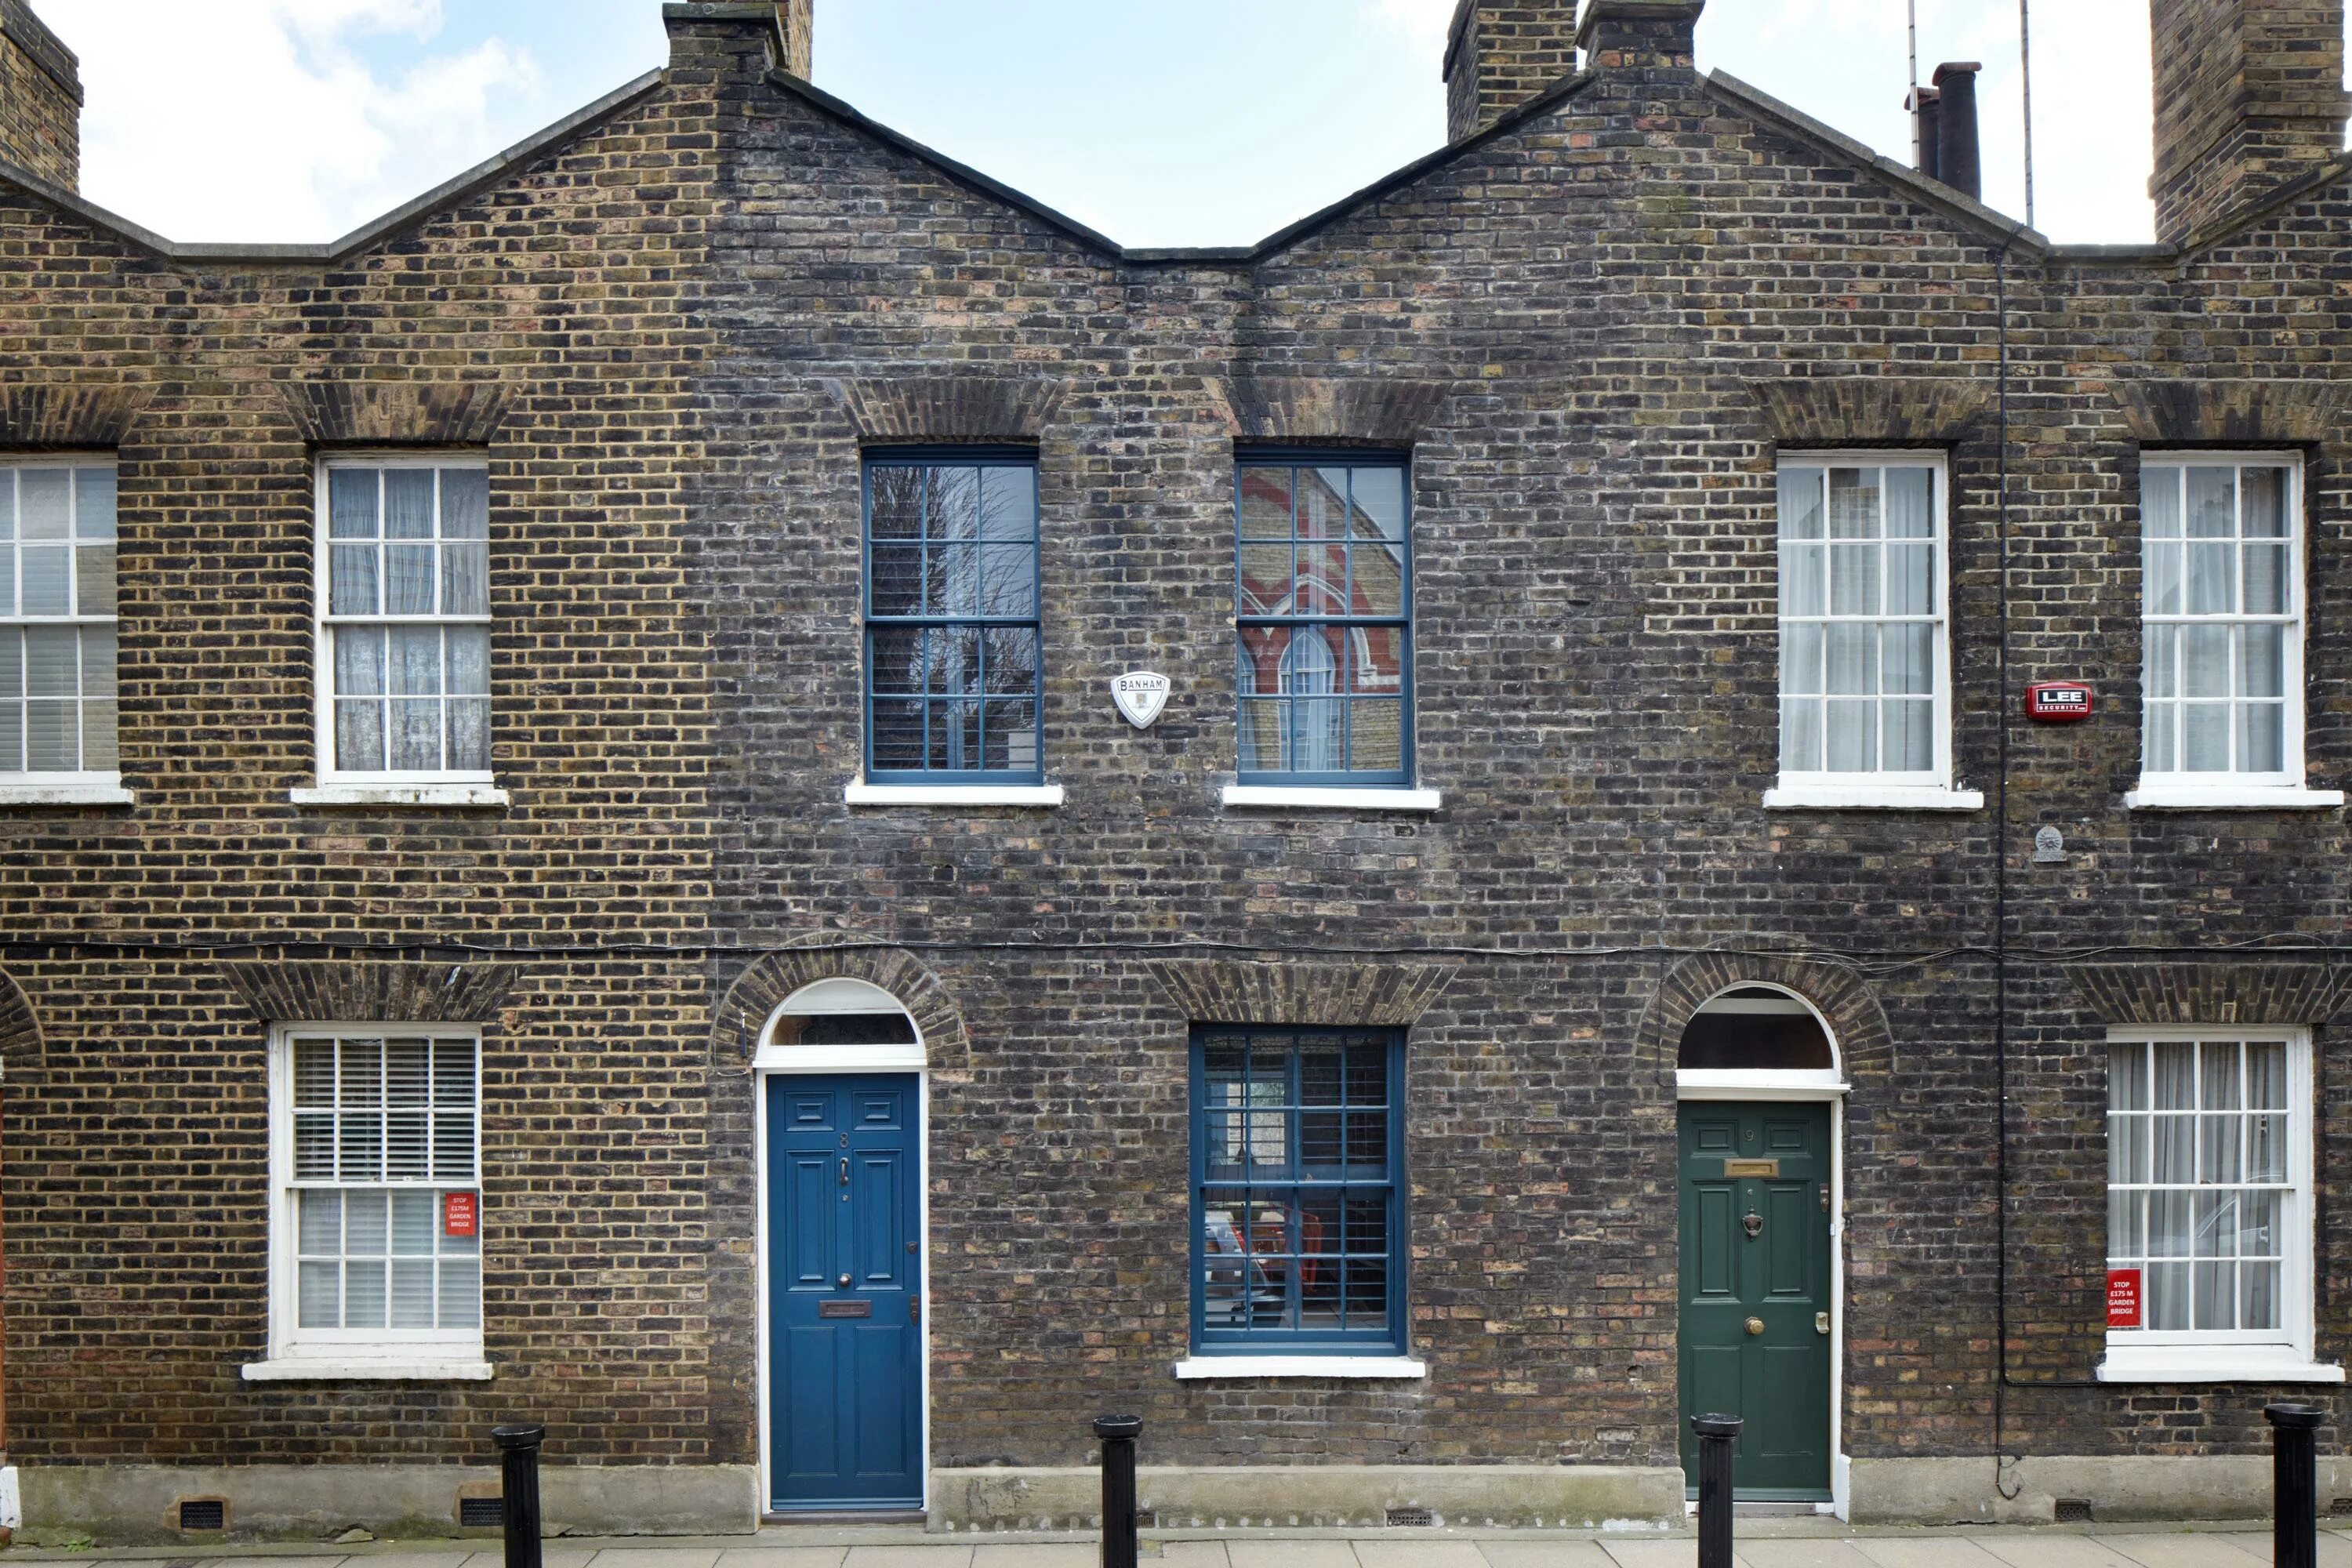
<point x="756" y="994"/>
<point x="1856" y="1021"/>
<point x="20" y="1028"/>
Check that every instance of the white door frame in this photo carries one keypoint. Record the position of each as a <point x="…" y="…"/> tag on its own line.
<point x="1822" y="1086"/>
<point x="772" y="1060"/>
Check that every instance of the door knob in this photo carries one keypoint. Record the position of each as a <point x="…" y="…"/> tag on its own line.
<point x="845" y="1285"/>
<point x="1755" y="1325"/>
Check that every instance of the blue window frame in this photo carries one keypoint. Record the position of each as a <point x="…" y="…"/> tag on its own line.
<point x="1323" y="606"/>
<point x="1298" y="1190"/>
<point x="953" y="659"/>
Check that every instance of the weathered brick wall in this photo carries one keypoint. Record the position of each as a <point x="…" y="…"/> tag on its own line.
<point x="135" y="1179"/>
<point x="41" y="97"/>
<point x="1499" y="54"/>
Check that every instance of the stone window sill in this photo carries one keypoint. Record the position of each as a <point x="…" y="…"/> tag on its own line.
<point x="467" y="794"/>
<point x="1871" y="797"/>
<point x="66" y="794"/>
<point x="366" y="1369"/>
<point x="2213" y="1363"/>
<point x="1318" y="797"/>
<point x="1198" y="1368"/>
<point x="2165" y="795"/>
<point x="953" y="794"/>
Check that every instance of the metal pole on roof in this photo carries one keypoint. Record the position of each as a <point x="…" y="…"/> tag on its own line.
<point x="2025" y="70"/>
<point x="1912" y="102"/>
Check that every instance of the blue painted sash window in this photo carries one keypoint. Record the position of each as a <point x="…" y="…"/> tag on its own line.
<point x="953" y="663"/>
<point x="1324" y="612"/>
<point x="1298" y="1190"/>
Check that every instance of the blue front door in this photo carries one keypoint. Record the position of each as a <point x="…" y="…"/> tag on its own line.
<point x="845" y="1384"/>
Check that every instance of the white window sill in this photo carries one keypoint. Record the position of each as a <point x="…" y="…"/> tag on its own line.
<point x="952" y="795"/>
<point x="366" y="1369"/>
<point x="1318" y="797"/>
<point x="1193" y="1368"/>
<point x="2216" y="1363"/>
<point x="2165" y="795"/>
<point x="399" y="795"/>
<point x="1871" y="797"/>
<point x="66" y="794"/>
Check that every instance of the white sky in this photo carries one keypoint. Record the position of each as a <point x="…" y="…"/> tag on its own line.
<point x="1157" y="122"/>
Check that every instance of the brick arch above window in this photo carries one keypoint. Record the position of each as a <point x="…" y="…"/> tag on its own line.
<point x="2223" y="992"/>
<point x="1865" y="1044"/>
<point x="1336" y="995"/>
<point x="2252" y="413"/>
<point x="756" y="994"/>
<point x="397" y="413"/>
<point x="20" y="1028"/>
<point x="61" y="414"/>
<point x="1307" y="410"/>
<point x="1870" y="410"/>
<point x="371" y="991"/>
<point x="920" y="407"/>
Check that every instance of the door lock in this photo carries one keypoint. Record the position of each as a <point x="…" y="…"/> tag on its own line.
<point x="1753" y="1224"/>
<point x="914" y="1309"/>
<point x="1755" y="1325"/>
<point x="844" y="1282"/>
<point x="1820" y="1322"/>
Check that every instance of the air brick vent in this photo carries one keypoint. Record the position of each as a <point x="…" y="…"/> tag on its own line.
<point x="1410" y="1519"/>
<point x="2073" y="1510"/>
<point x="204" y="1513"/>
<point x="2339" y="1507"/>
<point x="481" y="1512"/>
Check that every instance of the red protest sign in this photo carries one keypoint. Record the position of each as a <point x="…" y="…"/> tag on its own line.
<point x="2123" y="1298"/>
<point x="461" y="1214"/>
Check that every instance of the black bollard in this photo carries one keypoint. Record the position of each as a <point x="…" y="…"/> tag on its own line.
<point x="1717" y="1434"/>
<point x="518" y="1486"/>
<point x="2295" y="1485"/>
<point x="1118" y="1433"/>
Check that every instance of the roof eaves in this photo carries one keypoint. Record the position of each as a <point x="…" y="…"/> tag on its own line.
<point x="962" y="174"/>
<point x="473" y="179"/>
<point x="1282" y="240"/>
<point x="1930" y="192"/>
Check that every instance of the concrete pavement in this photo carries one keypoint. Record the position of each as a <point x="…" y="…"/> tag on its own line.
<point x="1763" y="1543"/>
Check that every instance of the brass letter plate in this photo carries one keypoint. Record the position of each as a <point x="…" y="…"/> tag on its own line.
<point x="845" y="1309"/>
<point x="1751" y="1167"/>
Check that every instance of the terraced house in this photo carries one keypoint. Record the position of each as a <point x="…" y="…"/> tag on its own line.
<point x="571" y="851"/>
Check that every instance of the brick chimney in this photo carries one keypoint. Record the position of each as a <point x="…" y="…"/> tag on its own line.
<point x="796" y="22"/>
<point x="1639" y="34"/>
<point x="1501" y="53"/>
<point x="2249" y="95"/>
<point x="40" y="99"/>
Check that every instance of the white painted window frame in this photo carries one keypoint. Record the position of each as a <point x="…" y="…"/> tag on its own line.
<point x="2288" y="788"/>
<point x="79" y="786"/>
<point x="295" y="1353"/>
<point x="337" y="786"/>
<point x="2216" y="1355"/>
<point x="1931" y="789"/>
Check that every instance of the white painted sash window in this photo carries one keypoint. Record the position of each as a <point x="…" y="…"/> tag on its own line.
<point x="57" y="624"/>
<point x="2208" y="1176"/>
<point x="377" y="1225"/>
<point x="2222" y="621"/>
<point x="1865" y="680"/>
<point x="405" y="621"/>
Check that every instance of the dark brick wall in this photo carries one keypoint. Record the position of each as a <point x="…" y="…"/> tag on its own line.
<point x="2249" y="96"/>
<point x="1501" y="53"/>
<point x="695" y="312"/>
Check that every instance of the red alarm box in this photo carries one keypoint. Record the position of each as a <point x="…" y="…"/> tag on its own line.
<point x="2057" y="702"/>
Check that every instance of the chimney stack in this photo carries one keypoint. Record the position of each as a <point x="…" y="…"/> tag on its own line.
<point x="1926" y="105"/>
<point x="796" y="25"/>
<point x="40" y="99"/>
<point x="2249" y="96"/>
<point x="1501" y="53"/>
<point x="1957" y="161"/>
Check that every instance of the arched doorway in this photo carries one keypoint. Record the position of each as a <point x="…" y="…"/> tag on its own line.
<point x="1758" y="1075"/>
<point x="844" y="1407"/>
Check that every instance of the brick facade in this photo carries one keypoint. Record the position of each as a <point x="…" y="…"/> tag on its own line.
<point x="1596" y="323"/>
<point x="40" y="99"/>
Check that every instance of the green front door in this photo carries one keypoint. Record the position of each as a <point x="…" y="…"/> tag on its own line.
<point x="1755" y="1291"/>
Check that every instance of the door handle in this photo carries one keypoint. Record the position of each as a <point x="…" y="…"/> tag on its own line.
<point x="1820" y="1322"/>
<point x="1755" y="1325"/>
<point x="845" y="1171"/>
<point x="844" y="1282"/>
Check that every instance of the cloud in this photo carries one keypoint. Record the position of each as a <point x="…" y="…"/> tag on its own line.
<point x="281" y="119"/>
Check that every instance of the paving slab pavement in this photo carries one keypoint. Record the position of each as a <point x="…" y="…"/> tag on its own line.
<point x="1546" y="1555"/>
<point x="1925" y="1551"/>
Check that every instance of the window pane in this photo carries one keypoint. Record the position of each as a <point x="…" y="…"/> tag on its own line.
<point x="319" y="1296"/>
<point x="351" y="503"/>
<point x="359" y="734"/>
<point x="2211" y="585"/>
<point x="895" y="502"/>
<point x="953" y="504"/>
<point x="1800" y="503"/>
<point x="1375" y="735"/>
<point x="1008" y="579"/>
<point x="2263" y="568"/>
<point x="413" y="734"/>
<point x="465" y="579"/>
<point x="413" y="662"/>
<point x="1853" y="737"/>
<point x="52" y="737"/>
<point x="1008" y="503"/>
<point x="1265" y="503"/>
<point x="2163" y="579"/>
<point x="2263" y="502"/>
<point x="2262" y="738"/>
<point x="1801" y="659"/>
<point x="1804" y="580"/>
<point x="895" y="580"/>
<point x="2205" y="737"/>
<point x="45" y="503"/>
<point x="1909" y="659"/>
<point x="98" y="751"/>
<point x="1910" y="497"/>
<point x="1853" y="579"/>
<point x="465" y="503"/>
<point x="94" y="580"/>
<point x="45" y="579"/>
<point x="2212" y="503"/>
<point x="408" y="579"/>
<point x="461" y="1294"/>
<point x="1801" y="735"/>
<point x="1852" y="659"/>
<point x="52" y="662"/>
<point x="1266" y="578"/>
<point x="408" y="503"/>
<point x="94" y="500"/>
<point x="2205" y="670"/>
<point x="1910" y="580"/>
<point x="1376" y="580"/>
<point x="2159" y="502"/>
<point x="1909" y="735"/>
<point x="1379" y="496"/>
<point x="1853" y="503"/>
<point x="1322" y="503"/>
<point x="352" y="580"/>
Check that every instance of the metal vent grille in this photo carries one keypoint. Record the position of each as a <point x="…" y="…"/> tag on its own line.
<point x="481" y="1512"/>
<point x="1410" y="1519"/>
<point x="2339" y="1507"/>
<point x="204" y="1513"/>
<point x="2073" y="1510"/>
